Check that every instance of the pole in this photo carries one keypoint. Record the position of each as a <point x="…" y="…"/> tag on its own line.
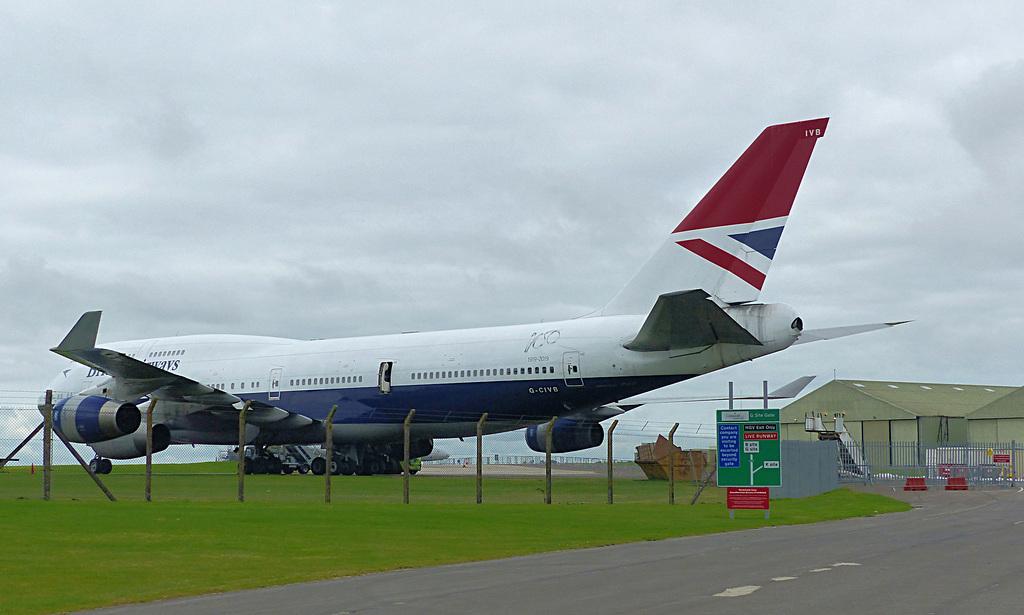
<point x="672" y="464"/>
<point x="547" y="460"/>
<point x="405" y="441"/>
<point x="47" y="410"/>
<point x="765" y="394"/>
<point x="329" y="453"/>
<point x="480" y="459"/>
<point x="241" y="451"/>
<point x="610" y="430"/>
<point x="149" y="450"/>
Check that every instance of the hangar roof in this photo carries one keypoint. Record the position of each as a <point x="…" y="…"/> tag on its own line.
<point x="873" y="400"/>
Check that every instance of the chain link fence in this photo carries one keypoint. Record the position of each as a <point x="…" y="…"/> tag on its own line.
<point x="982" y="464"/>
<point x="509" y="471"/>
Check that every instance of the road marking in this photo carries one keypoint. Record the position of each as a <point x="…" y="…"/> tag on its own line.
<point x="821" y="569"/>
<point x="734" y="592"/>
<point x="838" y="564"/>
<point x="783" y="578"/>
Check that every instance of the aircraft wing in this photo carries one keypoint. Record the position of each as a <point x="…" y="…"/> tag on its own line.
<point x="134" y="378"/>
<point x="816" y="335"/>
<point x="687" y="319"/>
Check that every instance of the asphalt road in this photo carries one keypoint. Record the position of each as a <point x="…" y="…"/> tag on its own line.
<point x="957" y="552"/>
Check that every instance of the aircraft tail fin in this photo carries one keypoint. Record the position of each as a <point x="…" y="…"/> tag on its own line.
<point x="726" y="244"/>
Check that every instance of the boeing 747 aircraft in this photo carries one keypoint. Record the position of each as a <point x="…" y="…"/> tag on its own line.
<point x="689" y="310"/>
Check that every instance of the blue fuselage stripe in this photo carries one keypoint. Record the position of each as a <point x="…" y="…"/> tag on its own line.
<point x="519" y="400"/>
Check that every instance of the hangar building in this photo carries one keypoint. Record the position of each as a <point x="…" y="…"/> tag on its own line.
<point x="926" y="414"/>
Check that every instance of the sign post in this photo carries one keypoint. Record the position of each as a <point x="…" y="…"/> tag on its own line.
<point x="749" y="457"/>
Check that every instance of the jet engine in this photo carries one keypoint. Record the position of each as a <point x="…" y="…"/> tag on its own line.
<point x="567" y="435"/>
<point x="133" y="445"/>
<point x="91" y="418"/>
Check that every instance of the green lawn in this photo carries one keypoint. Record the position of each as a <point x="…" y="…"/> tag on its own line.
<point x="218" y="482"/>
<point x="68" y="555"/>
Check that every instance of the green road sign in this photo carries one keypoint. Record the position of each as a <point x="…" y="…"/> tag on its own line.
<point x="748" y="448"/>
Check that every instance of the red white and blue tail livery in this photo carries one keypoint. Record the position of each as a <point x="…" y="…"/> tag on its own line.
<point x="689" y="311"/>
<point x="726" y="244"/>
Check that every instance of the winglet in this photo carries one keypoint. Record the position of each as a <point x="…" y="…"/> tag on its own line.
<point x="83" y="335"/>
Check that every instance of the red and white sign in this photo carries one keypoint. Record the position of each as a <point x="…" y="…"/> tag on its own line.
<point x="747" y="498"/>
<point x="1001" y="458"/>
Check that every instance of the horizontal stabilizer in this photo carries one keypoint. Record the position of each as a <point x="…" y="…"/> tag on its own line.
<point x="687" y="319"/>
<point x="816" y="335"/>
<point x="786" y="391"/>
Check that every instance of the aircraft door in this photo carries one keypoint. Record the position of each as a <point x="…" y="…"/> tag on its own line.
<point x="384" y="376"/>
<point x="275" y="384"/>
<point x="571" y="369"/>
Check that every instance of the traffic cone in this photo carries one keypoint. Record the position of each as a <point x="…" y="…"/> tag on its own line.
<point x="33" y="471"/>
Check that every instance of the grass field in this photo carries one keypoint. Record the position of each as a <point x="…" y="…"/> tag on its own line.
<point x="68" y="555"/>
<point x="218" y="482"/>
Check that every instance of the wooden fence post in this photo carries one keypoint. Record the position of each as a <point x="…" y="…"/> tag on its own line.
<point x="405" y="441"/>
<point x="241" y="451"/>
<point x="480" y="459"/>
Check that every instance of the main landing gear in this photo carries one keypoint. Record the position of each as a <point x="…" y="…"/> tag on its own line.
<point x="364" y="462"/>
<point x="99" y="465"/>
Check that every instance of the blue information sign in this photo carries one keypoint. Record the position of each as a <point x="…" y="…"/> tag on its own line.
<point x="728" y="446"/>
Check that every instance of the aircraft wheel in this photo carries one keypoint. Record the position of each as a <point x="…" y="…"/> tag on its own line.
<point x="304" y="469"/>
<point x="94" y="466"/>
<point x="335" y="468"/>
<point x="377" y="465"/>
<point x="106" y="466"/>
<point x="274" y="466"/>
<point x="288" y="469"/>
<point x="259" y="465"/>
<point x="247" y="465"/>
<point x="348" y="466"/>
<point x="318" y="466"/>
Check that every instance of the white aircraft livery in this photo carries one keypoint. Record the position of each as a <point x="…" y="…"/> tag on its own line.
<point x="689" y="310"/>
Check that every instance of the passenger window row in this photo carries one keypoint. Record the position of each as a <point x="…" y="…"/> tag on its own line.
<point x="330" y="380"/>
<point x="166" y="353"/>
<point x="483" y="373"/>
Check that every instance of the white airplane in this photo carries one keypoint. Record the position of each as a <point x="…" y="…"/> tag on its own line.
<point x="689" y="310"/>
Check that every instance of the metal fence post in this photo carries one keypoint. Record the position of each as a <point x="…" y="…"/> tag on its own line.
<point x="672" y="464"/>
<point x="547" y="460"/>
<point x="47" y="411"/>
<point x="329" y="453"/>
<point x="480" y="459"/>
<point x="149" y="450"/>
<point x="610" y="431"/>
<point x="405" y="441"/>
<point x="241" y="451"/>
<point x="1013" y="463"/>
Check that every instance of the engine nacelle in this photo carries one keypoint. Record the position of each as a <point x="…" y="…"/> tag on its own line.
<point x="91" y="418"/>
<point x="567" y="435"/>
<point x="134" y="445"/>
<point x="417" y="449"/>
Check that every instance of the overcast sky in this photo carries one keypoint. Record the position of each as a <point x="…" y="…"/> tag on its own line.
<point x="314" y="170"/>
